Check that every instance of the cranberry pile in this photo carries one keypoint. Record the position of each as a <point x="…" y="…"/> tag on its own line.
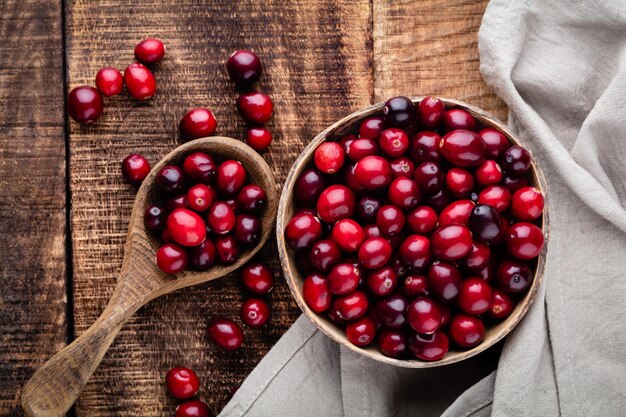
<point x="183" y="384"/>
<point x="418" y="230"/>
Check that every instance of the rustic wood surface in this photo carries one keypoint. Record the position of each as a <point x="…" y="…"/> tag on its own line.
<point x="323" y="60"/>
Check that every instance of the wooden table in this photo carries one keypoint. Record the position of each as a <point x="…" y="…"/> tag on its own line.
<point x="64" y="207"/>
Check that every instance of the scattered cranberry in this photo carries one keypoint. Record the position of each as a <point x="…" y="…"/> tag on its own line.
<point x="458" y="119"/>
<point x="135" y="168"/>
<point x="460" y="182"/>
<point x="374" y="253"/>
<point x="200" y="167"/>
<point x="195" y="408"/>
<point x="466" y="331"/>
<point x="149" y="51"/>
<point x="399" y="111"/>
<point x="463" y="148"/>
<point x="254" y="312"/>
<point x="255" y="107"/>
<point x="226" y="333"/>
<point x="109" y="82"/>
<point x="429" y="347"/>
<point x="501" y="305"/>
<point x="361" y="332"/>
<point x="371" y="128"/>
<point x="172" y="258"/>
<point x="84" y="104"/>
<point x="259" y="138"/>
<point x="203" y="256"/>
<point x="329" y="157"/>
<point x="393" y="142"/>
<point x="430" y="112"/>
<point x="197" y="123"/>
<point x="139" y="81"/>
<point x="335" y="203"/>
<point x="308" y="187"/>
<point x="182" y="383"/>
<point x="227" y="249"/>
<point x="392" y="343"/>
<point x="451" y="242"/>
<point x="527" y="204"/>
<point x="495" y="141"/>
<point x="516" y="160"/>
<point x="244" y="67"/>
<point x="524" y="240"/>
<point x="257" y="277"/>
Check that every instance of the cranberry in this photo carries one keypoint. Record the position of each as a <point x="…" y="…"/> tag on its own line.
<point x="429" y="177"/>
<point x="135" y="168"/>
<point x="414" y="251"/>
<point x="371" y="230"/>
<point x="393" y="142"/>
<point x="437" y="201"/>
<point x="231" y="176"/>
<point x="182" y="383"/>
<point x="399" y="111"/>
<point x="527" y="204"/>
<point x="221" y="218"/>
<point x="513" y="275"/>
<point x="329" y="157"/>
<point x="170" y="179"/>
<point x="391" y="311"/>
<point x="429" y="347"/>
<point x="495" y="141"/>
<point x="371" y="128"/>
<point x="172" y="258"/>
<point x="486" y="224"/>
<point x="173" y="203"/>
<point x="200" y="167"/>
<point x="514" y="183"/>
<point x="302" y="231"/>
<point x="524" y="240"/>
<point x="368" y="208"/>
<point x="335" y="203"/>
<point x="259" y="138"/>
<point x="139" y="81"/>
<point x="423" y="315"/>
<point x="348" y="234"/>
<point x="374" y="253"/>
<point x="392" y="343"/>
<point x="444" y="280"/>
<point x="343" y="279"/>
<point x="390" y="220"/>
<point x="360" y="148"/>
<point x="193" y="408"/>
<point x="247" y="230"/>
<point x="197" y="123"/>
<point x="488" y="173"/>
<point x="501" y="305"/>
<point x="361" y="332"/>
<point x="516" y="160"/>
<point x="349" y="178"/>
<point x="430" y="112"/>
<point x="225" y="333"/>
<point x="166" y="237"/>
<point x="459" y="182"/>
<point x="458" y="119"/>
<point x="308" y="187"/>
<point x="84" y="104"/>
<point x="255" y="107"/>
<point x="325" y="254"/>
<point x="251" y="199"/>
<point x="254" y="312"/>
<point x="457" y="212"/>
<point x="257" y="277"/>
<point x="333" y="316"/>
<point x="200" y="197"/>
<point x="109" y="82"/>
<point x="415" y="285"/>
<point x="402" y="167"/>
<point x="149" y="51"/>
<point x="154" y="217"/>
<point x="474" y="296"/>
<point x="316" y="293"/>
<point x="227" y="249"/>
<point x="488" y="272"/>
<point x="422" y="220"/>
<point x="351" y="306"/>
<point x="203" y="256"/>
<point x="404" y="193"/>
<point x="425" y="147"/>
<point x="496" y="196"/>
<point x="478" y="257"/>
<point x="451" y="242"/>
<point x="373" y="172"/>
<point x="244" y="67"/>
<point x="186" y="227"/>
<point x="466" y="331"/>
<point x="463" y="148"/>
<point x="382" y="282"/>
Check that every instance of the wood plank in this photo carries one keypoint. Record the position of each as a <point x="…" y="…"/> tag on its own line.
<point x="32" y="193"/>
<point x="317" y="57"/>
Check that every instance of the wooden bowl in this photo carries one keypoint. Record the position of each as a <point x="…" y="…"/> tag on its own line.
<point x="294" y="279"/>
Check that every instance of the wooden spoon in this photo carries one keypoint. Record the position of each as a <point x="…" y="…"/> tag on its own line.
<point x="57" y="384"/>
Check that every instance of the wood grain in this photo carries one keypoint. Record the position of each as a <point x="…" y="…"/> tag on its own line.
<point x="32" y="193"/>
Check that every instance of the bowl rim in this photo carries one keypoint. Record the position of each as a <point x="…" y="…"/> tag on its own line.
<point x="502" y="329"/>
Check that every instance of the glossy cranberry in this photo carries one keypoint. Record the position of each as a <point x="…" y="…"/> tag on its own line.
<point x="392" y="343"/>
<point x="415" y="285"/>
<point x="308" y="187"/>
<point x="197" y="123"/>
<point x="227" y="249"/>
<point x="257" y="277"/>
<point x="139" y="81"/>
<point x="496" y="196"/>
<point x="383" y="281"/>
<point x="335" y="203"/>
<point x="488" y="272"/>
<point x="404" y="193"/>
<point x="325" y="254"/>
<point x="516" y="160"/>
<point x="423" y="315"/>
<point x="429" y="347"/>
<point x="399" y="111"/>
<point x="200" y="167"/>
<point x="343" y="278"/>
<point x="221" y="218"/>
<point x="425" y="147"/>
<point x="466" y="331"/>
<point x="524" y="240"/>
<point x="402" y="167"/>
<point x="225" y="333"/>
<point x="368" y="208"/>
<point x="391" y="311"/>
<point x="488" y="173"/>
<point x="149" y="51"/>
<point x="231" y="176"/>
<point x="135" y="168"/>
<point x="350" y="180"/>
<point x="459" y="182"/>
<point x="195" y="408"/>
<point x="474" y="296"/>
<point x="109" y="82"/>
<point x="186" y="227"/>
<point x="302" y="231"/>
<point x="371" y="128"/>
<point x="170" y="179"/>
<point x="451" y="242"/>
<point x="457" y="212"/>
<point x="371" y="230"/>
<point x="259" y="138"/>
<point x="360" y="148"/>
<point x="478" y="257"/>
<point x="172" y="258"/>
<point x="374" y="253"/>
<point x="333" y="316"/>
<point x="348" y="235"/>
<point x="437" y="201"/>
<point x="514" y="183"/>
<point x="463" y="148"/>
<point x="182" y="383"/>
<point x="430" y="112"/>
<point x="527" y="204"/>
<point x="373" y="172"/>
<point x="329" y="157"/>
<point x="351" y="306"/>
<point x="486" y="224"/>
<point x="202" y="257"/>
<point x="501" y="305"/>
<point x="173" y="203"/>
<point x="495" y="141"/>
<point x="444" y="280"/>
<point x="200" y="197"/>
<point x="244" y="67"/>
<point x="393" y="142"/>
<point x="251" y="199"/>
<point x="247" y="230"/>
<point x="422" y="220"/>
<point x="316" y="293"/>
<point x="361" y="332"/>
<point x="232" y="203"/>
<point x="254" y="312"/>
<point x="390" y="220"/>
<point x="414" y="251"/>
<point x="84" y="104"/>
<point x="154" y="217"/>
<point x="455" y="119"/>
<point x="255" y="107"/>
<point x="513" y="276"/>
<point x="429" y="177"/>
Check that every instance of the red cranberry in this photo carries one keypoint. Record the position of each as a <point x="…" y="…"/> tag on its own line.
<point x="466" y="331"/>
<point x="174" y="203"/>
<point x="516" y="160"/>
<point x="451" y="242"/>
<point x="463" y="148"/>
<point x="391" y="311"/>
<point x="348" y="234"/>
<point x="255" y="107"/>
<point x="333" y="316"/>
<point x="360" y="148"/>
<point x="351" y="306"/>
<point x="374" y="253"/>
<point x="382" y="282"/>
<point x="459" y="182"/>
<point x="135" y="168"/>
<point x="361" y="332"/>
<point x="390" y="220"/>
<point x="423" y="315"/>
<point x="225" y="333"/>
<point x="430" y="112"/>
<point x="429" y="347"/>
<point x="513" y="275"/>
<point x="315" y="292"/>
<point x="501" y="304"/>
<point x="247" y="230"/>
<point x="425" y="147"/>
<point x="170" y="179"/>
<point x="393" y="142"/>
<point x="402" y="167"/>
<point x="349" y="179"/>
<point x="475" y="296"/>
<point x="399" y="111"/>
<point x="415" y="251"/>
<point x="257" y="277"/>
<point x="495" y="141"/>
<point x="371" y="230"/>
<point x="415" y="285"/>
<point x="251" y="199"/>
<point x="437" y="201"/>
<point x="335" y="203"/>
<point x="514" y="183"/>
<point x="139" y="81"/>
<point x="227" y="249"/>
<point x="200" y="167"/>
<point x="457" y="212"/>
<point x="458" y="119"/>
<point x="197" y="123"/>
<point x="186" y="227"/>
<point x="422" y="220"/>
<point x="343" y="279"/>
<point x="325" y="254"/>
<point x="495" y="196"/>
<point x="486" y="224"/>
<point x="478" y="257"/>
<point x="200" y="197"/>
<point x="221" y="218"/>
<point x="149" y="51"/>
<point x="193" y="408"/>
<point x="244" y="67"/>
<point x="444" y="280"/>
<point x="404" y="193"/>
<point x="154" y="217"/>
<point x="373" y="172"/>
<point x="172" y="258"/>
<point x="488" y="173"/>
<point x="329" y="157"/>
<point x="84" y="104"/>
<point x="109" y="82"/>
<point x="527" y="204"/>
<point x="524" y="240"/>
<point x="302" y="231"/>
<point x="259" y="138"/>
<point x="182" y="383"/>
<point x="203" y="256"/>
<point x="368" y="208"/>
<point x="254" y="312"/>
<point x="488" y="272"/>
<point x="308" y="187"/>
<point x="429" y="177"/>
<point x="392" y="343"/>
<point x="371" y="128"/>
<point x="231" y="176"/>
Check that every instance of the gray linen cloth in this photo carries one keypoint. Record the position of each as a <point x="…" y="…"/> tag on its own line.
<point x="561" y="69"/>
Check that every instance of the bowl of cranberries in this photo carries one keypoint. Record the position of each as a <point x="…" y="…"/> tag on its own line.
<point x="413" y="231"/>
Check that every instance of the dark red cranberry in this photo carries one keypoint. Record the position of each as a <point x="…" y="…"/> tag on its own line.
<point x="166" y="237"/>
<point x="254" y="312"/>
<point x="154" y="217"/>
<point x="231" y="176"/>
<point x="149" y="51"/>
<point x="391" y="311"/>
<point x="197" y="123"/>
<point x="516" y="160"/>
<point x="225" y="333"/>
<point x="257" y="277"/>
<point x="404" y="193"/>
<point x="351" y="306"/>
<point x="382" y="282"/>
<point x="451" y="242"/>
<point x="495" y="141"/>
<point x="390" y="220"/>
<point x="488" y="272"/>
<point x="329" y="157"/>
<point x="496" y="196"/>
<point x="463" y="148"/>
<point x="458" y="119"/>
<point x="513" y="276"/>
<point x="182" y="383"/>
<point x="429" y="347"/>
<point x="247" y="229"/>
<point x="399" y="111"/>
<point x="302" y="231"/>
<point x="349" y="179"/>
<point x="486" y="224"/>
<point x="343" y="278"/>
<point x="425" y="147"/>
<point x="423" y="315"/>
<point x="316" y="293"/>
<point x="430" y="112"/>
<point x="527" y="204"/>
<point x="170" y="179"/>
<point x="361" y="332"/>
<point x="524" y="240"/>
<point x="466" y="331"/>
<point x="172" y="258"/>
<point x="402" y="167"/>
<point x="308" y="187"/>
<point x="325" y="254"/>
<point x="429" y="177"/>
<point x="360" y="148"/>
<point x="501" y="304"/>
<point x="488" y="173"/>
<point x="227" y="249"/>
<point x="478" y="257"/>
<point x="438" y="201"/>
<point x="348" y="235"/>
<point x="255" y="107"/>
<point x="135" y="168"/>
<point x="195" y="408"/>
<point x="392" y="343"/>
<point x="415" y="285"/>
<point x="474" y="296"/>
<point x="251" y="199"/>
<point x="459" y="182"/>
<point x="200" y="167"/>
<point x="368" y="208"/>
<point x="374" y="253"/>
<point x="173" y="203"/>
<point x="371" y="128"/>
<point x="109" y="82"/>
<point x="373" y="172"/>
<point x="139" y="81"/>
<point x="232" y="203"/>
<point x="200" y="197"/>
<point x="514" y="183"/>
<point x="221" y="218"/>
<point x="203" y="256"/>
<point x="457" y="212"/>
<point x="414" y="251"/>
<point x="444" y="280"/>
<point x="259" y="138"/>
<point x="244" y="67"/>
<point x="186" y="227"/>
<point x="335" y="203"/>
<point x="393" y="142"/>
<point x="422" y="220"/>
<point x="446" y="313"/>
<point x="84" y="104"/>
